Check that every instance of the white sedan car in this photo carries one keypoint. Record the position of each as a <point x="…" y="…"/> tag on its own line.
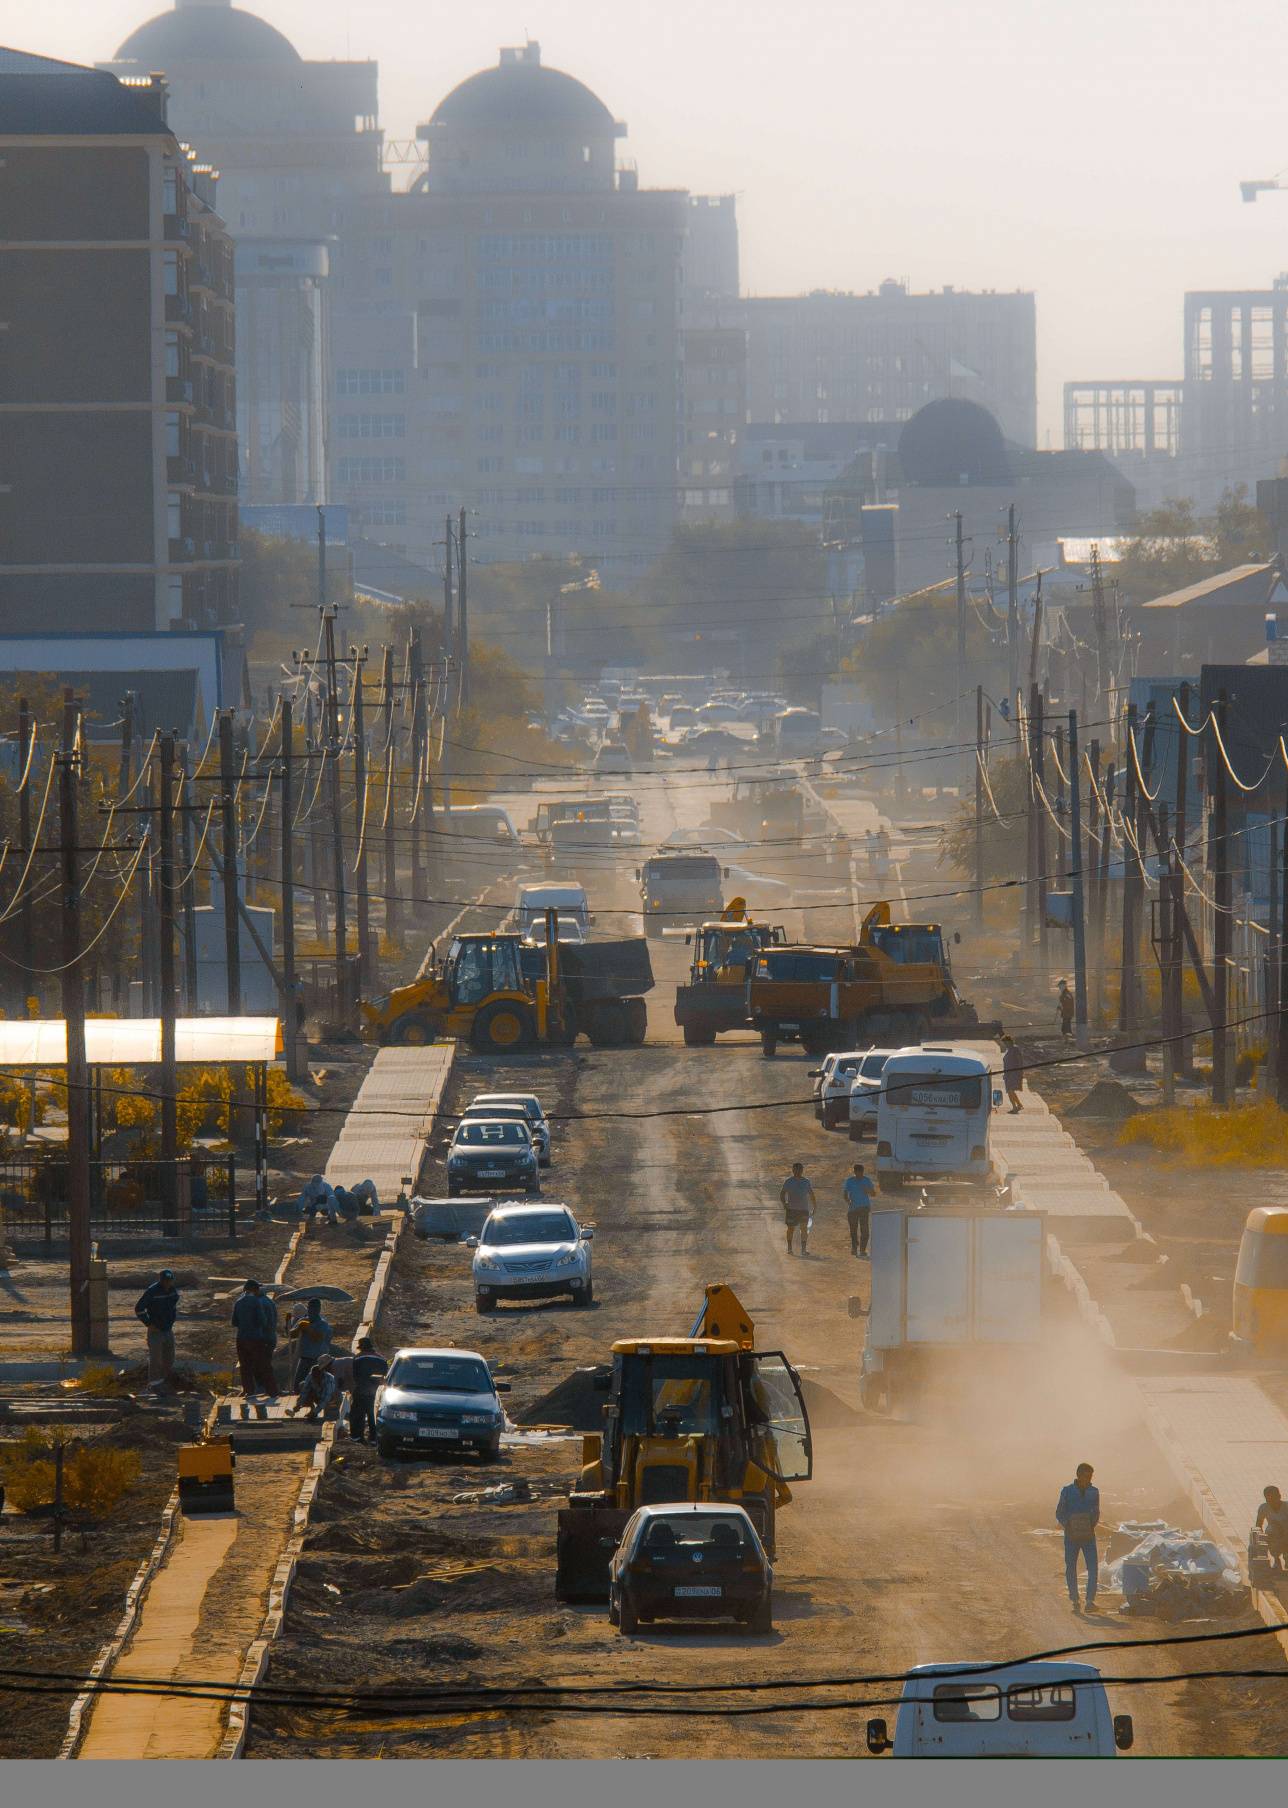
<point x="865" y="1093"/>
<point x="531" y="1252"/>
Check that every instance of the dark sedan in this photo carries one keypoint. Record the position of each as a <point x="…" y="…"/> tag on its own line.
<point x="488" y="1154"/>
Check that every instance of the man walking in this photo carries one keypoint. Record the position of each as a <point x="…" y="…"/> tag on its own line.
<point x="157" y="1307"/>
<point x="1065" y="1005"/>
<point x="796" y="1197"/>
<point x="1077" y="1513"/>
<point x="1012" y="1073"/>
<point x="369" y="1370"/>
<point x="254" y="1319"/>
<point x="858" y="1191"/>
<point x="311" y="1336"/>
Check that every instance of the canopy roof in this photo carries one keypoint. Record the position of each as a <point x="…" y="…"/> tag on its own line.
<point x="136" y="1041"/>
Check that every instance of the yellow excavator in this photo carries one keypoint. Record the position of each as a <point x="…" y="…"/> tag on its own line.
<point x="724" y="956"/>
<point x="702" y="1417"/>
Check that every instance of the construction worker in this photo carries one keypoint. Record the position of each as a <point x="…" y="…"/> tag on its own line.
<point x="317" y="1391"/>
<point x="858" y="1190"/>
<point x="1012" y="1073"/>
<point x="369" y="1370"/>
<point x="254" y="1319"/>
<point x="157" y="1307"/>
<point x="311" y="1336"/>
<point x="1077" y="1514"/>
<point x="1272" y="1518"/>
<point x="1065" y="1005"/>
<point x="796" y="1197"/>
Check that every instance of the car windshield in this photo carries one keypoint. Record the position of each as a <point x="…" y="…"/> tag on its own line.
<point x="500" y="1113"/>
<point x="530" y="1107"/>
<point x="681" y="866"/>
<point x="873" y="1066"/>
<point x="481" y="1135"/>
<point x="449" y="1374"/>
<point x="544" y="1227"/>
<point x="809" y="968"/>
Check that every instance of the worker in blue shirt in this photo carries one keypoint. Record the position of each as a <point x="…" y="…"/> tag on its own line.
<point x="858" y="1190"/>
<point x="1078" y="1514"/>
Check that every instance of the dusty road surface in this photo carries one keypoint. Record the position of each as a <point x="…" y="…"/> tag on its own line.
<point x="914" y="1542"/>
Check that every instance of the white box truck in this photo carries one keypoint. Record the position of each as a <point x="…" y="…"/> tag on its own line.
<point x="955" y="1295"/>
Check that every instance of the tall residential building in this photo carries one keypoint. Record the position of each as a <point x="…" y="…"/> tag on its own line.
<point x="828" y="357"/>
<point x="711" y="255"/>
<point x="507" y="334"/>
<point x="118" y="448"/>
<point x="715" y="409"/>
<point x="292" y="140"/>
<point x="1234" y="428"/>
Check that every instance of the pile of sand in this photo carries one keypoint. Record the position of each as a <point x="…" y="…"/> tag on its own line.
<point x="1107" y="1099"/>
<point x="573" y="1402"/>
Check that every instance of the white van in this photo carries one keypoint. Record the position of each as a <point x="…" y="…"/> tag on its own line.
<point x="1032" y="1710"/>
<point x="531" y="902"/>
<point x="485" y="823"/>
<point x="933" y="1116"/>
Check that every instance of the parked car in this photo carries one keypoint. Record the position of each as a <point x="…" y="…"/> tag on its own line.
<point x="820" y="1076"/>
<point x="832" y="1100"/>
<point x="532" y="1107"/>
<point x="435" y="1399"/>
<point x="614" y="757"/>
<point x="865" y="1093"/>
<point x="569" y="931"/>
<point x="532" y="1252"/>
<point x="698" y="1560"/>
<point x="488" y="1154"/>
<point x="495" y="1110"/>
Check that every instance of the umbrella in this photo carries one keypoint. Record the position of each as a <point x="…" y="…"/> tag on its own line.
<point x="323" y="1292"/>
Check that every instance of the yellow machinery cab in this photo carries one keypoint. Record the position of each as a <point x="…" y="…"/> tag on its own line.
<point x="1261" y="1283"/>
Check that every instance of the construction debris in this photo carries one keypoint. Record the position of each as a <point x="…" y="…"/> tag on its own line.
<point x="1176" y="1575"/>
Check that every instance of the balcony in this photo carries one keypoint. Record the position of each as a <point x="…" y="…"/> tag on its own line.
<point x="177" y="227"/>
<point x="178" y="307"/>
<point x="178" y="389"/>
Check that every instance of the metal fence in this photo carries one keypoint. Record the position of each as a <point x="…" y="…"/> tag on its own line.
<point x="127" y="1198"/>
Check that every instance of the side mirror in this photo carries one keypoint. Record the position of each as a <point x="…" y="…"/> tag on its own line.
<point x="815" y="1073"/>
<point x="1124" y="1732"/>
<point x="688" y="941"/>
<point x="878" y="1737"/>
<point x="470" y="1242"/>
<point x="957" y="937"/>
<point x="587" y="1233"/>
<point x="726" y="872"/>
<point x="638" y="873"/>
<point x="501" y="1387"/>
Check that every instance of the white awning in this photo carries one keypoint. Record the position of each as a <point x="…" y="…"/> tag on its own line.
<point x="136" y="1041"/>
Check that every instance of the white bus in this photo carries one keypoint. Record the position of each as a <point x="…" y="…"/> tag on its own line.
<point x="933" y="1116"/>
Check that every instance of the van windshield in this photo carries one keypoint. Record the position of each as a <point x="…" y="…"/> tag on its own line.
<point x="912" y="1091"/>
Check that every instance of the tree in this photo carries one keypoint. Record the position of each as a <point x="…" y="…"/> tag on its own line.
<point x="915" y="640"/>
<point x="1004" y="840"/>
<point x="1174" y="546"/>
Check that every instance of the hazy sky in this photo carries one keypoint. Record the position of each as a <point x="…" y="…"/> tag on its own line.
<point x="1087" y="149"/>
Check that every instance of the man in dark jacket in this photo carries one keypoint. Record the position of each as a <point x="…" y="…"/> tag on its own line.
<point x="369" y="1370"/>
<point x="156" y="1308"/>
<point x="1012" y="1073"/>
<point x="254" y="1319"/>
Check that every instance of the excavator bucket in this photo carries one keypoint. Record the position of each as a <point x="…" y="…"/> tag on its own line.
<point x="585" y="1541"/>
<point x="877" y="918"/>
<point x="735" y="911"/>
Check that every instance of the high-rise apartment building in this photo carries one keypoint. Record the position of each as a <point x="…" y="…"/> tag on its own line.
<point x="507" y="335"/>
<point x="118" y="444"/>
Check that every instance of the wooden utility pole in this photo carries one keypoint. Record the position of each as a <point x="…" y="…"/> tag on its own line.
<point x="979" y="801"/>
<point x="1097" y="954"/>
<point x="1102" y="884"/>
<point x="1281" y="1021"/>
<point x="1100" y="626"/>
<point x="26" y="927"/>
<point x="462" y="613"/>
<point x="228" y="805"/>
<point x="294" y="1065"/>
<point x="126" y="758"/>
<point x="365" y="967"/>
<point x="389" y="865"/>
<point x="191" y="986"/>
<point x="1221" y="926"/>
<point x="1037" y="719"/>
<point x="1176" y="861"/>
<point x="73" y="980"/>
<point x="168" y="988"/>
<point x="1079" y="894"/>
<point x="1166" y="944"/>
<point x="1012" y="606"/>
<point x="315" y="745"/>
<point x="337" y="822"/>
<point x="1131" y="874"/>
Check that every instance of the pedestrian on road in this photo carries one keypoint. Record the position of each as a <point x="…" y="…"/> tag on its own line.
<point x="254" y="1319"/>
<point x="369" y="1370"/>
<point x="311" y="1336"/>
<point x="797" y="1199"/>
<point x="157" y="1307"/>
<point x="1272" y="1517"/>
<point x="1065" y="1006"/>
<point x="1012" y="1073"/>
<point x="316" y="1392"/>
<point x="858" y="1191"/>
<point x="1077" y="1513"/>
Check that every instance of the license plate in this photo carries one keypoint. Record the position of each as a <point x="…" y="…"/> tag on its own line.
<point x="691" y="1590"/>
<point x="491" y="1173"/>
<point x="437" y="1431"/>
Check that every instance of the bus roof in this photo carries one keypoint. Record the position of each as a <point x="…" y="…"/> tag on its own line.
<point x="1269" y="1220"/>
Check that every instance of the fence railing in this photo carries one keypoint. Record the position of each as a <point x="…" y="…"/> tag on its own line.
<point x="127" y="1198"/>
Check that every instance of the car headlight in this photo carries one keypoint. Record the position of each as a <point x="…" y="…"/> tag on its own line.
<point x="567" y="1259"/>
<point x="655" y="904"/>
<point x="482" y="1261"/>
<point x="396" y="1412"/>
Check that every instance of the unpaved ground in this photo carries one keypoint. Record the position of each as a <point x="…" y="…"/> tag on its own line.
<point x="913" y="1542"/>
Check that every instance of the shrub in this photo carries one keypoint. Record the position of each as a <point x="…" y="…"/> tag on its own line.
<point x="285" y="1104"/>
<point x="1254" y="1136"/>
<point x="94" y="1480"/>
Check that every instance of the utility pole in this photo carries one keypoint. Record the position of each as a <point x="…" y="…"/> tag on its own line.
<point x="1037" y="719"/>
<point x="78" y="1228"/>
<point x="124" y="763"/>
<point x="1012" y="604"/>
<point x="337" y="822"/>
<point x="1176" y="863"/>
<point x="389" y="865"/>
<point x="26" y="742"/>
<point x="1079" y="894"/>
<point x="191" y="987"/>
<point x="1281" y="1022"/>
<point x="314" y="744"/>
<point x="232" y="922"/>
<point x="321" y="559"/>
<point x="464" y="648"/>
<point x="1101" y="631"/>
<point x="294" y="1066"/>
<point x="168" y="987"/>
<point x="365" y="968"/>
<point x="1221" y="927"/>
<point x="449" y="592"/>
<point x="1093" y="864"/>
<point x="1102" y="884"/>
<point x="979" y="801"/>
<point x="1127" y="964"/>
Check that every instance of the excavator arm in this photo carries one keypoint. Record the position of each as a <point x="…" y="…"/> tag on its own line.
<point x="724" y="1315"/>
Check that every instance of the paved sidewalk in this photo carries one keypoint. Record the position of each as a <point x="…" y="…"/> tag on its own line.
<point x="1051" y="1174"/>
<point x="387" y="1131"/>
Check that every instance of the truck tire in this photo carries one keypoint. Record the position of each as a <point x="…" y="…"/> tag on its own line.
<point x="698" y="1035"/>
<point x="873" y="1394"/>
<point x="814" y="1041"/>
<point x="411" y="1030"/>
<point x="502" y="1027"/>
<point x="607" y="1026"/>
<point x="769" y="1044"/>
<point x="636" y="1021"/>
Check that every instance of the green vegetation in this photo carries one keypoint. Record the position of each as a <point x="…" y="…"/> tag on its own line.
<point x="1174" y="546"/>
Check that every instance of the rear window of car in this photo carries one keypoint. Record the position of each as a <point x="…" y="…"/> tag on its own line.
<point x="873" y="1066"/>
<point x="911" y="1090"/>
<point x="1058" y="1701"/>
<point x="476" y="1135"/>
<point x="966" y="1703"/>
<point x="696" y="1531"/>
<point x="530" y="1107"/>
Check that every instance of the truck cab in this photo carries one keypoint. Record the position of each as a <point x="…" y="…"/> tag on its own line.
<point x="1027" y="1710"/>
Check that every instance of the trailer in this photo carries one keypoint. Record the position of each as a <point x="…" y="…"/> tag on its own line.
<point x="956" y="1301"/>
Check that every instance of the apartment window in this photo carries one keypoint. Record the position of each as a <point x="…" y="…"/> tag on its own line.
<point x="170" y="260"/>
<point x="174" y="596"/>
<point x="490" y="436"/>
<point x="383" y="514"/>
<point x="382" y="246"/>
<point x="604" y="430"/>
<point x="171" y="189"/>
<point x="174" y="515"/>
<point x="604" y="401"/>
<point x="384" y="279"/>
<point x="173" y="444"/>
<point x="530" y="467"/>
<point x="172" y="354"/>
<point x="371" y="470"/>
<point x="531" y="433"/>
<point x="372" y="426"/>
<point x="489" y="464"/>
<point x="370" y="382"/>
<point x="568" y="436"/>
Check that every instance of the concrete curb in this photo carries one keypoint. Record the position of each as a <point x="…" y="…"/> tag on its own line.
<point x="255" y="1667"/>
<point x="78" y="1718"/>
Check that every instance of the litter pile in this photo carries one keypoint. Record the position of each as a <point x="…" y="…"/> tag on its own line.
<point x="504" y="1494"/>
<point x="1175" y="1575"/>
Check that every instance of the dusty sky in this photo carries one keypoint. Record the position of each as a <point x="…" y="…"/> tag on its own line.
<point x="1088" y="149"/>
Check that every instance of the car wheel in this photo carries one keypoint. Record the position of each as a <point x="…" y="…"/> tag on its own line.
<point x="491" y="1453"/>
<point x="768" y="1044"/>
<point x="762" y="1619"/>
<point x="386" y="1446"/>
<point x="544" y="1162"/>
<point x="485" y="1302"/>
<point x="453" y="1191"/>
<point x="533" y="1186"/>
<point x="586" y="1297"/>
<point x="614" y="1616"/>
<point x="627" y="1618"/>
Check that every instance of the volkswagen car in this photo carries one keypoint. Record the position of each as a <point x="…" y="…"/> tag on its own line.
<point x="694" y="1561"/>
<point x="488" y="1155"/>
